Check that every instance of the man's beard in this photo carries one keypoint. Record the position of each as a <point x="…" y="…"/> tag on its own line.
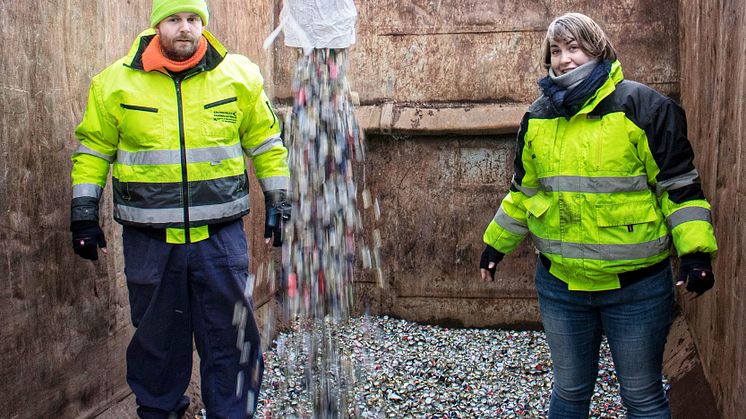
<point x="179" y="54"/>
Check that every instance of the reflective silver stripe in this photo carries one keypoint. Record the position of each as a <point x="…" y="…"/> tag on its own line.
<point x="602" y="251"/>
<point x="677" y="182"/>
<point x="509" y="223"/>
<point x="594" y="184"/>
<point x="86" y="150"/>
<point x="195" y="155"/>
<point x="176" y="215"/>
<point x="209" y="212"/>
<point x="149" y="215"/>
<point x="268" y="144"/>
<point x="526" y="191"/>
<point x="683" y="215"/>
<point x="87" y="189"/>
<point x="214" y="154"/>
<point x="141" y="158"/>
<point x="275" y="182"/>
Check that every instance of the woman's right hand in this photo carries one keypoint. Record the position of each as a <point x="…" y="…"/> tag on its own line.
<point x="488" y="263"/>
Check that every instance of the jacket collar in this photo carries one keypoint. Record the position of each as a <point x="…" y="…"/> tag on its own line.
<point x="615" y="76"/>
<point x="214" y="55"/>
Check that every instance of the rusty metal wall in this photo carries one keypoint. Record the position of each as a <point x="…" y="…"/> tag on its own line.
<point x="436" y="195"/>
<point x="65" y="321"/>
<point x="713" y="92"/>
<point x="486" y="51"/>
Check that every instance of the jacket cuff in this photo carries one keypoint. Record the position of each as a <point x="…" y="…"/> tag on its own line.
<point x="84" y="208"/>
<point x="696" y="257"/>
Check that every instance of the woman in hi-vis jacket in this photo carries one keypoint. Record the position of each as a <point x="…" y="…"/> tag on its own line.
<point x="605" y="185"/>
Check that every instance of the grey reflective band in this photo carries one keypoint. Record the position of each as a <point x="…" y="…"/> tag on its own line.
<point x="683" y="215"/>
<point x="194" y="155"/>
<point x="214" y="154"/>
<point x="526" y="191"/>
<point x="141" y="158"/>
<point x="87" y="189"/>
<point x="268" y="144"/>
<point x="509" y="223"/>
<point x="148" y="215"/>
<point x="217" y="211"/>
<point x="603" y="251"/>
<point x="275" y="182"/>
<point x="677" y="182"/>
<point x="587" y="184"/>
<point x="176" y="215"/>
<point x="86" y="150"/>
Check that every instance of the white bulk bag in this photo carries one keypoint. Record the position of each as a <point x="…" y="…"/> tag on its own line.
<point x="312" y="24"/>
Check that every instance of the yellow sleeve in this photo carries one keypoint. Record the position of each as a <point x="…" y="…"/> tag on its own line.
<point x="261" y="140"/>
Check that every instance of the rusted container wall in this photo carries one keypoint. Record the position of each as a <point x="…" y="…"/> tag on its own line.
<point x="439" y="190"/>
<point x="713" y="80"/>
<point x="65" y="321"/>
<point x="484" y="51"/>
<point x="435" y="194"/>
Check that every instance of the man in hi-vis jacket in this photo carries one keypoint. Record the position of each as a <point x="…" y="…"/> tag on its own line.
<point x="174" y="119"/>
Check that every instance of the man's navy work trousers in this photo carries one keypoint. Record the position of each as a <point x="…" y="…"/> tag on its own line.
<point x="177" y="291"/>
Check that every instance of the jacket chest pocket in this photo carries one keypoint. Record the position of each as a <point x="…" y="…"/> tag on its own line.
<point x="222" y="118"/>
<point x="541" y="147"/>
<point x="609" y="147"/>
<point x="140" y="125"/>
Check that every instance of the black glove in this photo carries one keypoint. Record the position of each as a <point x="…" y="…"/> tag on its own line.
<point x="87" y="238"/>
<point x="277" y="213"/>
<point x="695" y="270"/>
<point x="490" y="255"/>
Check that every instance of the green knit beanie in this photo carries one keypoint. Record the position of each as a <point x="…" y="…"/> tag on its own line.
<point x="165" y="8"/>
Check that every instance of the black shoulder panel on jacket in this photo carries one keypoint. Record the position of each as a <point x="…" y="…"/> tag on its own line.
<point x="520" y="142"/>
<point x="635" y="99"/>
<point x="663" y="121"/>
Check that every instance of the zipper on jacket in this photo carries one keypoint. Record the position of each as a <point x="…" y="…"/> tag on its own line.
<point x="182" y="143"/>
<point x="274" y="118"/>
<point x="138" y="108"/>
<point x="221" y="102"/>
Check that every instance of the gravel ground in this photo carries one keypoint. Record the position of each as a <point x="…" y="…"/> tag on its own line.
<point x="398" y="369"/>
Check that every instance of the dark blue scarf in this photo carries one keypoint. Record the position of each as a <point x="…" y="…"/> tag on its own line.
<point x="568" y="102"/>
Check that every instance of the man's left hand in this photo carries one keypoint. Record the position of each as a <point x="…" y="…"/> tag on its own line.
<point x="277" y="213"/>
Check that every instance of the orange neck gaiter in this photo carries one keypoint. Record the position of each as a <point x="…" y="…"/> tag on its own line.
<point x="153" y="58"/>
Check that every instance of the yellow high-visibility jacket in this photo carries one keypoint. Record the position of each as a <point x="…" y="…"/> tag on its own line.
<point x="177" y="143"/>
<point x="606" y="191"/>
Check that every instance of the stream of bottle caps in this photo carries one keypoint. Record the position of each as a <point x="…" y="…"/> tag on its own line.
<point x="325" y="241"/>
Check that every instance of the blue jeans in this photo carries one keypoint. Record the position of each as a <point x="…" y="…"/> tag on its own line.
<point x="635" y="319"/>
<point x="180" y="291"/>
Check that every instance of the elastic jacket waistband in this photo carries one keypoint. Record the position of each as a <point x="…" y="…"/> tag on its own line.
<point x="160" y="233"/>
<point x="625" y="278"/>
